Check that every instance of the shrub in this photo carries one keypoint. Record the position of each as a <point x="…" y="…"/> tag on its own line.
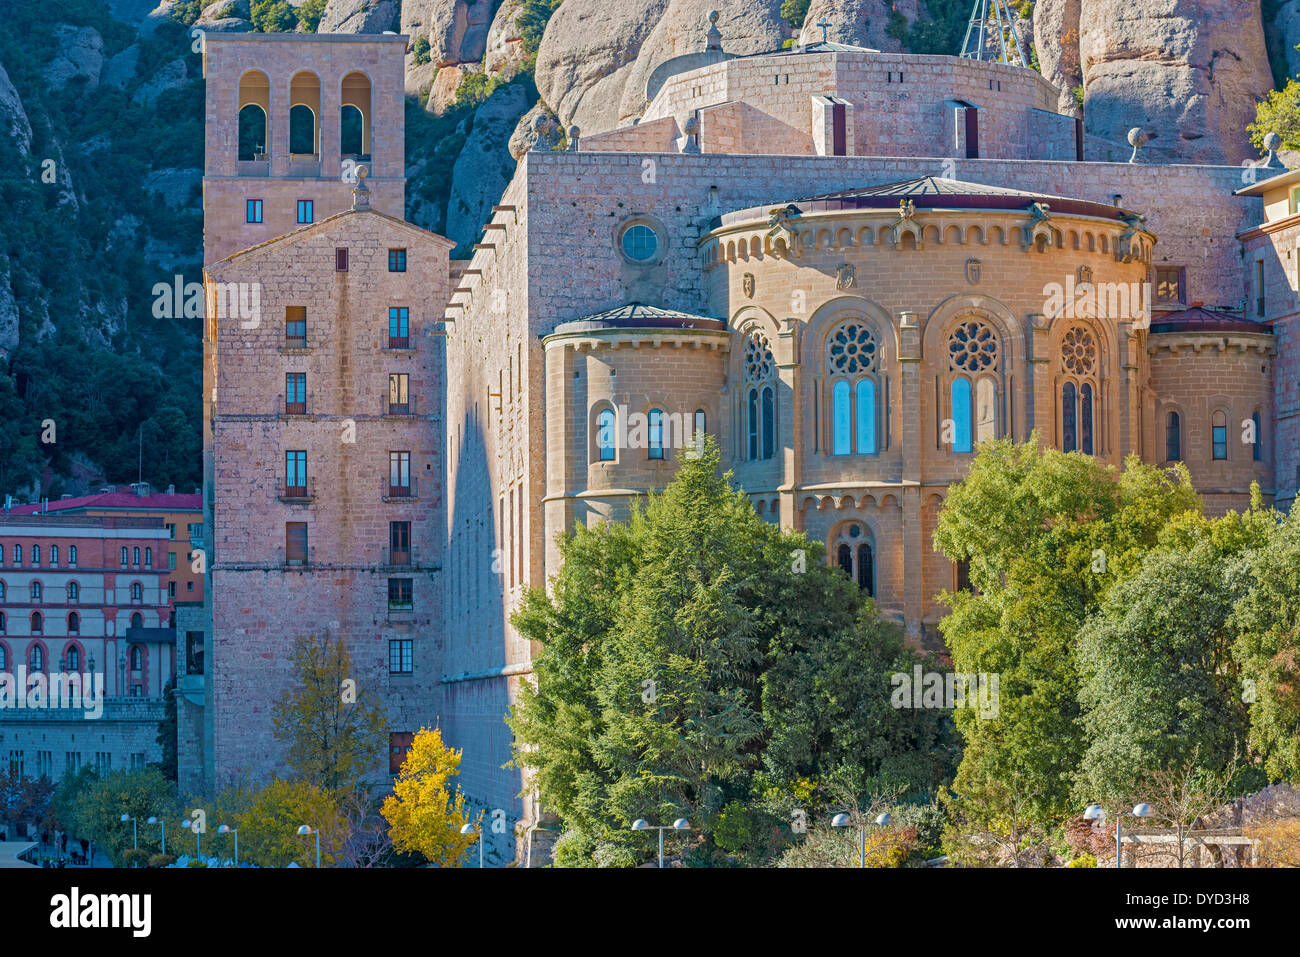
<point x="420" y="49"/>
<point x="1083" y="860"/>
<point x="135" y="858"/>
<point x="162" y="860"/>
<point x="273" y="16"/>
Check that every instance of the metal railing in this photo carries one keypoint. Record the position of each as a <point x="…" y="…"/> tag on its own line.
<point x="401" y="409"/>
<point x="296" y="494"/>
<point x="401" y="493"/>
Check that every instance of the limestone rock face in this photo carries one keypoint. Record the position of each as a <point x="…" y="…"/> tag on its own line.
<point x="748" y="26"/>
<point x="80" y="54"/>
<point x="586" y="54"/>
<point x="120" y="70"/>
<point x="359" y="16"/>
<point x="859" y="22"/>
<point x="1056" y="32"/>
<point x="484" y="166"/>
<point x="13" y="118"/>
<point x="1187" y="71"/>
<point x="175" y="187"/>
<point x="1287" y="22"/>
<point x="457" y="30"/>
<point x="538" y="129"/>
<point x="505" y="49"/>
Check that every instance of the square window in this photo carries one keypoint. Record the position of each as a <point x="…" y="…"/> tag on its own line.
<point x="400" y="594"/>
<point x="1170" y="284"/>
<point x="399" y="656"/>
<point x="253" y="211"/>
<point x="397" y="260"/>
<point x="305" y="211"/>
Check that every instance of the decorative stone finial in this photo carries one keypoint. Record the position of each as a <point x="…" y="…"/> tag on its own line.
<point x="573" y="138"/>
<point x="1136" y="137"/>
<point x="692" y="130"/>
<point x="361" y="192"/>
<point x="1272" y="143"/>
<point x="713" y="37"/>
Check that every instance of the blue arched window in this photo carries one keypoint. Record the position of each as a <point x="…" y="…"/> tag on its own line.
<point x="961" y="415"/>
<point x="656" y="434"/>
<point x="1069" y="418"/>
<point x="1085" y="418"/>
<point x="1173" y="438"/>
<point x="752" y="421"/>
<point x="841" y="419"/>
<point x="769" y="422"/>
<point x="605" y="435"/>
<point x="855" y="554"/>
<point x="866" y="416"/>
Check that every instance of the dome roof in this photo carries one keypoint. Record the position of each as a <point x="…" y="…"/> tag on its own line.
<point x="1198" y="319"/>
<point x="635" y="315"/>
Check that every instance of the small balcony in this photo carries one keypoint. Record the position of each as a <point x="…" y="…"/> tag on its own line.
<point x="259" y="165"/>
<point x="283" y="407"/>
<point x="399" y="557"/>
<point x="400" y="493"/>
<point x="296" y="559"/>
<point x="406" y="343"/>
<point x="296" y="494"/>
<point x="405" y="409"/>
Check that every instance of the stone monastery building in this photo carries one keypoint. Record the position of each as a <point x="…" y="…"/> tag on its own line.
<point x="849" y="267"/>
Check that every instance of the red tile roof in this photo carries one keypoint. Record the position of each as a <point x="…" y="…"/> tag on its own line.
<point x="157" y="502"/>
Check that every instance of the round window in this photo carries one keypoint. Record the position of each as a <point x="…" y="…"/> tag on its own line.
<point x="640" y="242"/>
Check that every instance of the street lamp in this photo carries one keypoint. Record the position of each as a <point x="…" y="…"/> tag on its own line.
<point x="227" y="829"/>
<point x="304" y="831"/>
<point x="843" y="820"/>
<point x="135" y="844"/>
<point x="471" y="829"/>
<point x="1095" y="813"/>
<point x="681" y="824"/>
<point x="163" y="825"/>
<point x="188" y="825"/>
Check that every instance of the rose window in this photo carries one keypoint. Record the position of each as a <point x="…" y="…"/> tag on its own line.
<point x="1079" y="351"/>
<point x="852" y="349"/>
<point x="973" y="347"/>
<point x="758" y="358"/>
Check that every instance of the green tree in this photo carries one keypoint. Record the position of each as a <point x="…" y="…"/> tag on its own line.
<point x="532" y="23"/>
<point x="92" y="805"/>
<point x="1267" y="619"/>
<point x="309" y="14"/>
<point x="794" y="12"/>
<point x="167" y="729"/>
<point x="1278" y="112"/>
<point x="268" y="825"/>
<point x="332" y="735"/>
<point x="273" y="16"/>
<point x="1046" y="534"/>
<point x="420" y="49"/>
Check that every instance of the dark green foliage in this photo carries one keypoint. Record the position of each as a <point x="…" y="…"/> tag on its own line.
<point x="167" y="732"/>
<point x="273" y="16"/>
<point x="794" y="12"/>
<point x="309" y="14"/>
<point x="420" y="50"/>
<point x="532" y="22"/>
<point x="942" y="31"/>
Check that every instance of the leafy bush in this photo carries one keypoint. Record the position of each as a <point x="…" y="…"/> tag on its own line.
<point x="1083" y="860"/>
<point x="309" y="14"/>
<point x="420" y="49"/>
<point x="273" y="16"/>
<point x="162" y="860"/>
<point x="135" y="858"/>
<point x="794" y="12"/>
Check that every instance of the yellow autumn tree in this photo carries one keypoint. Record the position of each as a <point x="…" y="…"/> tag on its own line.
<point x="426" y="811"/>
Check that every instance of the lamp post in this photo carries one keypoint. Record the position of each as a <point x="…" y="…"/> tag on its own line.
<point x="471" y="829"/>
<point x="163" y="825"/>
<point x="188" y="825"/>
<point x="304" y="831"/>
<point x="681" y="824"/>
<point x="1096" y="813"/>
<point x="843" y="820"/>
<point x="227" y="829"/>
<point x="135" y="844"/>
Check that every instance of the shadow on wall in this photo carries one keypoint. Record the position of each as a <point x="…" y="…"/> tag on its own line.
<point x="473" y="708"/>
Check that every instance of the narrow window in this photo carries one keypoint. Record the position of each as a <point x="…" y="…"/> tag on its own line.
<point x="253" y="211"/>
<point x="656" y="434"/>
<point x="399" y="401"/>
<point x="1173" y="438"/>
<point x="38" y="625"/>
<point x="844" y="558"/>
<point x="38" y="653"/>
<point x="841" y="419"/>
<point x="72" y="554"/>
<point x="148" y="558"/>
<point x="74" y="592"/>
<point x="341" y="259"/>
<point x="699" y="429"/>
<point x="135" y="556"/>
<point x="866" y="417"/>
<point x="295" y="473"/>
<point x="74" y="627"/>
<point x="295" y="543"/>
<point x="1259" y="286"/>
<point x="961" y="414"/>
<point x="605" y="428"/>
<point x="295" y="393"/>
<point x="305" y="212"/>
<point x="1069" y="410"/>
<point x="399" y="543"/>
<point x="295" y="326"/>
<point x="399" y="331"/>
<point x="36" y="591"/>
<point x="986" y="412"/>
<point x="1257" y="447"/>
<point x="137" y="658"/>
<point x="769" y="421"/>
<point x="36" y="555"/>
<point x="866" y="570"/>
<point x="397" y="260"/>
<point x="137" y="592"/>
<point x="399" y="656"/>
<point x="752" y="409"/>
<point x="1085" y="418"/>
<point x="1220" y="435"/>
<point x="399" y="474"/>
<point x="126" y="560"/>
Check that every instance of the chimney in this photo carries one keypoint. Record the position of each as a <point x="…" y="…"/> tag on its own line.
<point x="171" y="489"/>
